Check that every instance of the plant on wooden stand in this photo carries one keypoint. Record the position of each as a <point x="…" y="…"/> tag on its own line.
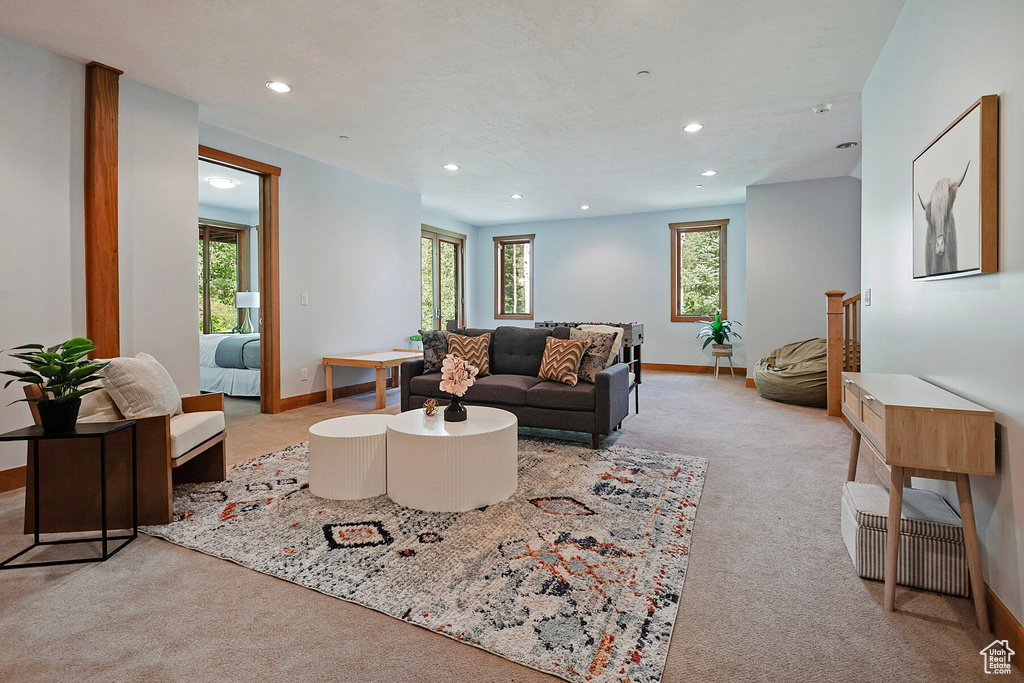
<point x="719" y="332"/>
<point x="59" y="372"/>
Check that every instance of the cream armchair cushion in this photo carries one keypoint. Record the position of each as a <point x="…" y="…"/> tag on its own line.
<point x="188" y="430"/>
<point x="98" y="406"/>
<point x="141" y="387"/>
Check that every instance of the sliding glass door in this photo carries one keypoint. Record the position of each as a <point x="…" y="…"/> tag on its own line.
<point x="221" y="274"/>
<point x="442" y="278"/>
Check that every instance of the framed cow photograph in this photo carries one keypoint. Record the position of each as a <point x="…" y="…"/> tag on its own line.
<point x="956" y="197"/>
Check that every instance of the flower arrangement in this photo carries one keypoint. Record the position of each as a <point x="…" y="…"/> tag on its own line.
<point x="456" y="375"/>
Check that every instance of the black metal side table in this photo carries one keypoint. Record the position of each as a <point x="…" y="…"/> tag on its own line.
<point x="94" y="430"/>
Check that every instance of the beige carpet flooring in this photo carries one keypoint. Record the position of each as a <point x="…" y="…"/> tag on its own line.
<point x="770" y="593"/>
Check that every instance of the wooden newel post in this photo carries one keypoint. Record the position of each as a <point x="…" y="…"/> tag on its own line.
<point x="835" y="351"/>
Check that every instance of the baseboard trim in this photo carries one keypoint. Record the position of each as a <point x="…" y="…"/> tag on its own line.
<point x="1004" y="625"/>
<point x="695" y="369"/>
<point x="750" y="383"/>
<point x="303" y="400"/>
<point x="12" y="479"/>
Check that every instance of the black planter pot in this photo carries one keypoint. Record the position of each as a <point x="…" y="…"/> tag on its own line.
<point x="455" y="412"/>
<point x="59" y="417"/>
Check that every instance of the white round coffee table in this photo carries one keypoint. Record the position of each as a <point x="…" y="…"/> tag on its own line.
<point x="348" y="457"/>
<point x="441" y="466"/>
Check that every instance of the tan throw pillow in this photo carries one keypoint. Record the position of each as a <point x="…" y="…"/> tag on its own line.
<point x="595" y="358"/>
<point x="97" y="406"/>
<point x="611" y="329"/>
<point x="473" y="350"/>
<point x="141" y="387"/>
<point x="562" y="360"/>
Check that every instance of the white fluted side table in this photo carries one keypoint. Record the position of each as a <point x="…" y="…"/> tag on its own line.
<point x="348" y="457"/>
<point x="441" y="466"/>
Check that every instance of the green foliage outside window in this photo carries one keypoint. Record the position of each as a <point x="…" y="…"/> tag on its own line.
<point x="699" y="272"/>
<point x="223" y="277"/>
<point x="516" y="273"/>
<point x="426" y="283"/>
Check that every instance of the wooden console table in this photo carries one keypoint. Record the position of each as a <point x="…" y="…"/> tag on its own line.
<point x="378" y="360"/>
<point x="917" y="429"/>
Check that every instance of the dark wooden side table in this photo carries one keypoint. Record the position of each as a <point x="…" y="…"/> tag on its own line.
<point x="95" y="430"/>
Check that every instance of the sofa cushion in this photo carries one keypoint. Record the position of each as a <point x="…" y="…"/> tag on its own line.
<point x="595" y="358"/>
<point x="561" y="396"/>
<point x="562" y="360"/>
<point x="507" y="389"/>
<point x="97" y="406"/>
<point x="141" y="387"/>
<point x="473" y="350"/>
<point x="518" y="350"/>
<point x="188" y="430"/>
<point x="435" y="348"/>
<point x="427" y="385"/>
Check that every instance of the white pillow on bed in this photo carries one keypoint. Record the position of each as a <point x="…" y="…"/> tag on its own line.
<point x="141" y="387"/>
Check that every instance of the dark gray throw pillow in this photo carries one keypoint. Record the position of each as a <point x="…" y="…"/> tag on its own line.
<point x="435" y="348"/>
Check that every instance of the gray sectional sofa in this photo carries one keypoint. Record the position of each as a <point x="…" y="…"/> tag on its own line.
<point x="515" y="358"/>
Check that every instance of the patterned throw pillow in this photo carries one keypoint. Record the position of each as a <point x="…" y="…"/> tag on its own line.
<point x="595" y="358"/>
<point x="473" y="350"/>
<point x="435" y="348"/>
<point x="562" y="360"/>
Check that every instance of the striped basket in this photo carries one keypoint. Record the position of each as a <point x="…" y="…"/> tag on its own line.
<point x="932" y="554"/>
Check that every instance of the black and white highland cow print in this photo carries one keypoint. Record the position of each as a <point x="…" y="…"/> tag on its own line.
<point x="940" y="240"/>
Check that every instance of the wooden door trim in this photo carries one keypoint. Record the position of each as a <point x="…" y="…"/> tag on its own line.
<point x="270" y="273"/>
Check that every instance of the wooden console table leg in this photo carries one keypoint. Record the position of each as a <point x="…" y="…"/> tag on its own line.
<point x="963" y="492"/>
<point x="851" y="472"/>
<point x="381" y="386"/>
<point x="330" y="383"/>
<point x="892" y="541"/>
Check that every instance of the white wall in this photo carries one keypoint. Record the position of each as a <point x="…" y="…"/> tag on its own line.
<point x="443" y="222"/>
<point x="41" y="172"/>
<point x="965" y="334"/>
<point x="220" y="213"/>
<point x="803" y="239"/>
<point x="350" y="243"/>
<point x="158" y="201"/>
<point x="617" y="269"/>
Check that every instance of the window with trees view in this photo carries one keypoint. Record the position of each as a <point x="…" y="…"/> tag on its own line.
<point x="698" y="270"/>
<point x="513" y="277"/>
<point x="441" y="278"/>
<point x="220" y="277"/>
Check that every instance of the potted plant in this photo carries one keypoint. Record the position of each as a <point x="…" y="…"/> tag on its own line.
<point x="718" y="332"/>
<point x="59" y="372"/>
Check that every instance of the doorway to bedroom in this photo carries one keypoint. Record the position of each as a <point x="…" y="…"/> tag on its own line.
<point x="237" y="293"/>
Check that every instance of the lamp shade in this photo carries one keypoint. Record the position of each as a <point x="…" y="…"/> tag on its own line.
<point x="247" y="299"/>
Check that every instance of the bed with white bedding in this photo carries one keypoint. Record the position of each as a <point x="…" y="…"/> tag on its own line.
<point x="230" y="363"/>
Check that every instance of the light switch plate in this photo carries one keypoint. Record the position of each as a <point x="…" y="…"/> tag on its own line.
<point x="304" y="299"/>
<point x="867" y="297"/>
<point x="305" y="374"/>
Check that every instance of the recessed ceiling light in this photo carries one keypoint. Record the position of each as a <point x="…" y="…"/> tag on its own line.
<point x="585" y="207"/>
<point x="516" y="196"/>
<point x="823" y="108"/>
<point x="643" y="73"/>
<point x="692" y="127"/>
<point x="451" y="167"/>
<point x="222" y="183"/>
<point x="709" y="173"/>
<point x="343" y="137"/>
<point x="511" y="206"/>
<point x="698" y="186"/>
<point x="278" y="86"/>
<point x="846" y="145"/>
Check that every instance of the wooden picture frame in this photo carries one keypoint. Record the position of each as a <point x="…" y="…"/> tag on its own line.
<point x="956" y="197"/>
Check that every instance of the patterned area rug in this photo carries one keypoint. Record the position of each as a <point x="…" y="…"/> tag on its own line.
<point x="578" y="574"/>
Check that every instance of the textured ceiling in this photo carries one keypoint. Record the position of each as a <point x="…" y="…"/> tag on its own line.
<point x="529" y="96"/>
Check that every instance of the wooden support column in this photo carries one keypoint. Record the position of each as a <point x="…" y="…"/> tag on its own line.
<point x="835" y="351"/>
<point x="102" y="302"/>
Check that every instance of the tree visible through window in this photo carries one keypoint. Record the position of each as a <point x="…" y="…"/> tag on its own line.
<point x="698" y="270"/>
<point x="218" y="279"/>
<point x="513" y="277"/>
<point x="441" y="278"/>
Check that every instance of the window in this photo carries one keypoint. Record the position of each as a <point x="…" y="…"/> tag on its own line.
<point x="221" y="275"/>
<point x="698" y="270"/>
<point x="513" y="277"/>
<point x="442" y="279"/>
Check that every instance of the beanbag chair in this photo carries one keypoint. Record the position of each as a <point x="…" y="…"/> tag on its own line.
<point x="796" y="373"/>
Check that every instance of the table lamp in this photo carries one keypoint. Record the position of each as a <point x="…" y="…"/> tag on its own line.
<point x="246" y="300"/>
